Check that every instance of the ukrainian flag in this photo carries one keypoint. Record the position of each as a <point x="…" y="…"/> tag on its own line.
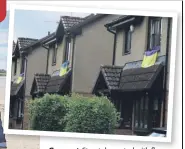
<point x="150" y="57"/>
<point x="20" y="78"/>
<point x="64" y="68"/>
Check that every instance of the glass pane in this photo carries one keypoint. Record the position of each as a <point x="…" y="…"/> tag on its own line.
<point x="155" y="105"/>
<point x="141" y="112"/>
<point x="146" y="113"/>
<point x="136" y="113"/>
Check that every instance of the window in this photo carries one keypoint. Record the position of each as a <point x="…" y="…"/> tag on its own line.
<point x="22" y="65"/>
<point x="15" y="67"/>
<point x="154" y="32"/>
<point x="141" y="112"/>
<point x="67" y="53"/>
<point x="54" y="57"/>
<point x="128" y="38"/>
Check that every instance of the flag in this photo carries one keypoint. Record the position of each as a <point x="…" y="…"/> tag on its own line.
<point x="150" y="57"/>
<point x="20" y="78"/>
<point x="64" y="68"/>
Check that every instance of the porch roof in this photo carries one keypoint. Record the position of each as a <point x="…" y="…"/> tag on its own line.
<point x="135" y="79"/>
<point x="59" y="84"/>
<point x="15" y="88"/>
<point x="40" y="82"/>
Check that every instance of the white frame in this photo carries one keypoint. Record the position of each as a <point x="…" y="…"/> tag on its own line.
<point x="86" y="135"/>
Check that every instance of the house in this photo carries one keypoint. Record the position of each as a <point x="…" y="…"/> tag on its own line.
<point x="79" y="41"/>
<point x="92" y="46"/>
<point x="139" y="94"/>
<point x="59" y="51"/>
<point x="25" y="53"/>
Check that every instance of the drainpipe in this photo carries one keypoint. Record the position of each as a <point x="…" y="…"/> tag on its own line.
<point x="47" y="60"/>
<point x="114" y="46"/>
<point x="72" y="62"/>
<point x="24" y="92"/>
<point x="166" y="69"/>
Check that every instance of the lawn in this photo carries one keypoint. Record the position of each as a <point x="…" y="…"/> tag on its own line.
<point x="2" y="74"/>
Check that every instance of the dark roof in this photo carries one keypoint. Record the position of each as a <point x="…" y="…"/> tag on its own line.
<point x="25" y="42"/>
<point x="69" y="21"/>
<point x="130" y="79"/>
<point x="139" y="78"/>
<point x="13" y="46"/>
<point x="39" y="83"/>
<point x="15" y="88"/>
<point x="59" y="84"/>
<point x="86" y="21"/>
<point x="112" y="75"/>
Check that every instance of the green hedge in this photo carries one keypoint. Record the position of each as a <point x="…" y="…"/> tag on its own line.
<point x="47" y="113"/>
<point x="74" y="113"/>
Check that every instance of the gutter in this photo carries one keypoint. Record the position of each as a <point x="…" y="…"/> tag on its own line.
<point x="166" y="69"/>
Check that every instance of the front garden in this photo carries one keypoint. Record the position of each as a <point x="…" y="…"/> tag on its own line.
<point x="75" y="113"/>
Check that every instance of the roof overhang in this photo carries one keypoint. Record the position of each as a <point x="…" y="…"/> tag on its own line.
<point x="124" y="21"/>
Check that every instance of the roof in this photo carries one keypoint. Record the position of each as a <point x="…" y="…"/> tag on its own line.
<point x="112" y="75"/>
<point x="59" y="84"/>
<point x="13" y="46"/>
<point x="69" y="21"/>
<point x="139" y="78"/>
<point x="135" y="79"/>
<point x="15" y="88"/>
<point x="25" y="42"/>
<point x="86" y="21"/>
<point x="39" y="83"/>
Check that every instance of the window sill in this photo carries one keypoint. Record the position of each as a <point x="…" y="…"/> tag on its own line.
<point x="126" y="53"/>
<point x="54" y="64"/>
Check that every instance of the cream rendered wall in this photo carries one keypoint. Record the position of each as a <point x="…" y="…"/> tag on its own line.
<point x="139" y="43"/>
<point x="59" y="58"/>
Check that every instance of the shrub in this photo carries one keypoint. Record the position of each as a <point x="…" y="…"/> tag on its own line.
<point x="91" y="115"/>
<point x="47" y="113"/>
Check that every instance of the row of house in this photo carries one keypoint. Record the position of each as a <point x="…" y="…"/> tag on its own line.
<point x="105" y="54"/>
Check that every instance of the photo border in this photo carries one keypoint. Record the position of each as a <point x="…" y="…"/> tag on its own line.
<point x="173" y="15"/>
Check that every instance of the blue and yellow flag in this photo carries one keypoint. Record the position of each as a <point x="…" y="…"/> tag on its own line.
<point x="19" y="79"/>
<point x="150" y="58"/>
<point x="64" y="68"/>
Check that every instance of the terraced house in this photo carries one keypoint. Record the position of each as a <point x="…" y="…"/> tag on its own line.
<point x="73" y="36"/>
<point x="137" y="82"/>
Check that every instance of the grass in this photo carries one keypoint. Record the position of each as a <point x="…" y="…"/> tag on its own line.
<point x="2" y="74"/>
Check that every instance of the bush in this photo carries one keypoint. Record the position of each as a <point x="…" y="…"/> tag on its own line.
<point x="74" y="113"/>
<point x="47" y="113"/>
<point x="91" y="115"/>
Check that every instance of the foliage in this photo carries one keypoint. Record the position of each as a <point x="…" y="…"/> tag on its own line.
<point x="47" y="113"/>
<point x="75" y="113"/>
<point x="91" y="115"/>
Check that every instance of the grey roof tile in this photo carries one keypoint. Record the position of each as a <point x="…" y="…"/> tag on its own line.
<point x="69" y="21"/>
<point x="24" y="42"/>
<point x="58" y="84"/>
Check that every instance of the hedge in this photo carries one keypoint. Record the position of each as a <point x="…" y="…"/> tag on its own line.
<point x="47" y="113"/>
<point x="91" y="115"/>
<point x="75" y="113"/>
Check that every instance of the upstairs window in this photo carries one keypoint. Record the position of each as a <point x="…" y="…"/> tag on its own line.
<point x="54" y="56"/>
<point x="15" y="67"/>
<point x="154" y="32"/>
<point x="22" y="65"/>
<point x="67" y="52"/>
<point x="128" y="40"/>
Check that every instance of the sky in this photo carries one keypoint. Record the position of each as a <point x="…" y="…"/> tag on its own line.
<point x="4" y="41"/>
<point x="29" y="24"/>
